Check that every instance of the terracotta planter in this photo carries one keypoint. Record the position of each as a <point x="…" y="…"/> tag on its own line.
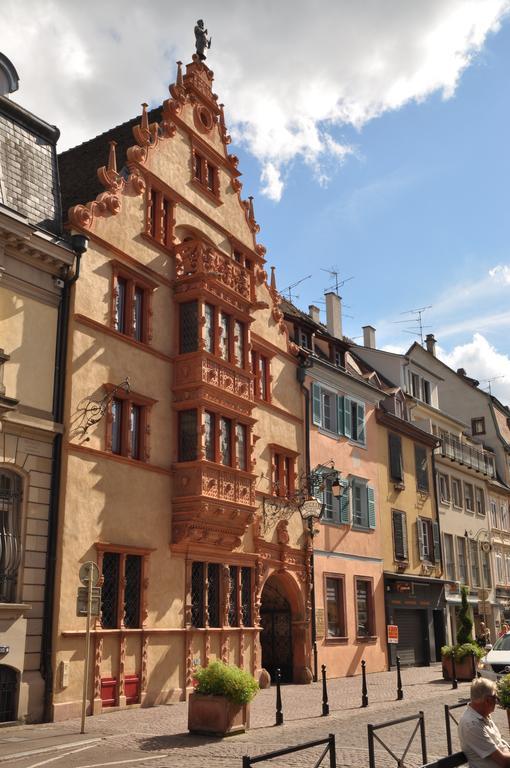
<point x="463" y="669"/>
<point x="217" y="715"/>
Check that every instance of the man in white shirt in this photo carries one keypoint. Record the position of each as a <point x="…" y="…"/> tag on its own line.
<point x="480" y="739"/>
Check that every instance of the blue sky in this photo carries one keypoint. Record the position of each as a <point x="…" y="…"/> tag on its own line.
<point x="373" y="136"/>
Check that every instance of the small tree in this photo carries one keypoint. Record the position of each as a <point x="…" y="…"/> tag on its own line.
<point x="465" y="630"/>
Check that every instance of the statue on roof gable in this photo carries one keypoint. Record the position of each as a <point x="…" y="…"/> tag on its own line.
<point x="202" y="42"/>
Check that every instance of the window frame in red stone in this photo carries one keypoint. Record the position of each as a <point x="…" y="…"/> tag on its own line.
<point x="283" y="464"/>
<point x="133" y="282"/>
<point x="157" y="229"/>
<point x="127" y="400"/>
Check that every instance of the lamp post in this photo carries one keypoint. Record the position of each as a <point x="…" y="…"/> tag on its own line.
<point x="486" y="547"/>
<point x="311" y="511"/>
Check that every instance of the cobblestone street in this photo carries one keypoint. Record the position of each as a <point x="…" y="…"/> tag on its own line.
<point x="158" y="737"/>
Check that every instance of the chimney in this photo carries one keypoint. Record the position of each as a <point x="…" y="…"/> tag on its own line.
<point x="314" y="313"/>
<point x="431" y="343"/>
<point x="369" y="336"/>
<point x="334" y="315"/>
<point x="461" y="371"/>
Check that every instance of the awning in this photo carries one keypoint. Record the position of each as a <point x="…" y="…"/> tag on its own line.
<point x="457" y="599"/>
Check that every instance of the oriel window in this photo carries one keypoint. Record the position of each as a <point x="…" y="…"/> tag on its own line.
<point x="226" y="441"/>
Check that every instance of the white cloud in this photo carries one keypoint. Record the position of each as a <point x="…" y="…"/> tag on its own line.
<point x="289" y="74"/>
<point x="482" y="361"/>
<point x="501" y="274"/>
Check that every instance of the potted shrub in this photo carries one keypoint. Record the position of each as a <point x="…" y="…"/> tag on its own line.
<point x="464" y="648"/>
<point x="504" y="695"/>
<point x="220" y="703"/>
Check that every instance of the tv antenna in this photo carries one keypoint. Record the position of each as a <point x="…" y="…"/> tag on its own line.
<point x="290" y="287"/>
<point x="334" y="273"/>
<point x="489" y="382"/>
<point x="418" y="319"/>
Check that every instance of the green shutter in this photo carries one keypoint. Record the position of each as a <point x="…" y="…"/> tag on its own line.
<point x="371" y="506"/>
<point x="437" y="548"/>
<point x="340" y="414"/>
<point x="345" y="507"/>
<point x="360" y="419"/>
<point x="347" y="417"/>
<point x="316" y="405"/>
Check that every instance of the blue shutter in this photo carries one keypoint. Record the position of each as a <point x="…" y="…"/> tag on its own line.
<point x="345" y="507"/>
<point x="347" y="417"/>
<point x="371" y="506"/>
<point x="437" y="548"/>
<point x="360" y="419"/>
<point x="316" y="405"/>
<point x="340" y="414"/>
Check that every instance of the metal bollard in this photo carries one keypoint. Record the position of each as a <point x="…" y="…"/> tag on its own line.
<point x="364" y="692"/>
<point x="279" y="711"/>
<point x="400" y="692"/>
<point x="332" y="750"/>
<point x="325" y="705"/>
<point x="473" y="664"/>
<point x="455" y="684"/>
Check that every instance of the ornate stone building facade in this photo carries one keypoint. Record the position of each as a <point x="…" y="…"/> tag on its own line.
<point x="182" y="470"/>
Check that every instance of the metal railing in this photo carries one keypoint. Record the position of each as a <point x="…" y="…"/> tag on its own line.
<point x="448" y="717"/>
<point x="373" y="737"/>
<point x="329" y="744"/>
<point x="465" y="454"/>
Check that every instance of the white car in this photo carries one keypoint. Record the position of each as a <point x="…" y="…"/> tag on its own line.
<point x="497" y="660"/>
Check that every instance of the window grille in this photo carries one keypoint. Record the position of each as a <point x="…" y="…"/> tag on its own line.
<point x="233" y="610"/>
<point x="188" y="435"/>
<point x="189" y="327"/>
<point x="132" y="591"/>
<point x="8" y="691"/>
<point x="110" y="590"/>
<point x="213" y="594"/>
<point x="246" y="597"/>
<point x="10" y="535"/>
<point x="197" y="595"/>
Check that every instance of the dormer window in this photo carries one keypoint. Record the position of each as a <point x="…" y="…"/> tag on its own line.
<point x="304" y="338"/>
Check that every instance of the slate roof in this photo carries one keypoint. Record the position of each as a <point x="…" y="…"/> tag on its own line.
<point x="78" y="166"/>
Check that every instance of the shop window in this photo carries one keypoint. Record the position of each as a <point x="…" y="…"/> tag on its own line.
<point x="422" y="470"/>
<point x="121" y="590"/>
<point x="128" y="425"/>
<point x="395" y="451"/>
<point x="131" y="305"/>
<point x="159" y="218"/>
<point x="233" y="603"/>
<point x="365" y="618"/>
<point x="246" y="596"/>
<point x="260" y="367"/>
<point x="400" y="548"/>
<point x="188" y="442"/>
<point x="335" y="607"/>
<point x="10" y="535"/>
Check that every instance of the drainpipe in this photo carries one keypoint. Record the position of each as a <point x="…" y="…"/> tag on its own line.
<point x="436" y="500"/>
<point x="306" y="362"/>
<point x="79" y="244"/>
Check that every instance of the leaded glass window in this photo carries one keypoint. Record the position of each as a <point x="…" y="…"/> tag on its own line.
<point x="10" y="535"/>
<point x="138" y="300"/>
<point x="197" y="595"/>
<point x="120" y="306"/>
<point x="188" y="327"/>
<point x="213" y="594"/>
<point x="116" y="425"/>
<point x="210" y="430"/>
<point x="110" y="590"/>
<point x="233" y="609"/>
<point x="226" y="441"/>
<point x="239" y="343"/>
<point x="135" y="419"/>
<point x="241" y="445"/>
<point x="209" y="328"/>
<point x="188" y="435"/>
<point x="132" y="591"/>
<point x="225" y="336"/>
<point x="246" y="611"/>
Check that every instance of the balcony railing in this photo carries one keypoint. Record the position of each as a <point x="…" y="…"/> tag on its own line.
<point x="468" y="456"/>
<point x="220" y="484"/>
<point x="207" y="371"/>
<point x="194" y="258"/>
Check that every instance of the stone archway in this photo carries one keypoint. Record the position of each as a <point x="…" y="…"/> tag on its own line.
<point x="283" y="630"/>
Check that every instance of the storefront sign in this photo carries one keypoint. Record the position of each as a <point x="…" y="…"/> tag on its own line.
<point x="393" y="634"/>
<point x="402" y="586"/>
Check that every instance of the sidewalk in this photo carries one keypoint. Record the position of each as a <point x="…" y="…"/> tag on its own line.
<point x="164" y="728"/>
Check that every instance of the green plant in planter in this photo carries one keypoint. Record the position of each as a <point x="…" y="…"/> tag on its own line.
<point x="461" y="651"/>
<point x="504" y="691"/>
<point x="465" y="630"/>
<point x="220" y="679"/>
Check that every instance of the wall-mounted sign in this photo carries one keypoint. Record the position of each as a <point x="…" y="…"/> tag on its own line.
<point x="319" y="622"/>
<point x="392" y="633"/>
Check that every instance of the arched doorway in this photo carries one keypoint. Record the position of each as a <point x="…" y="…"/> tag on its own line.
<point x="276" y="633"/>
<point x="8" y="693"/>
